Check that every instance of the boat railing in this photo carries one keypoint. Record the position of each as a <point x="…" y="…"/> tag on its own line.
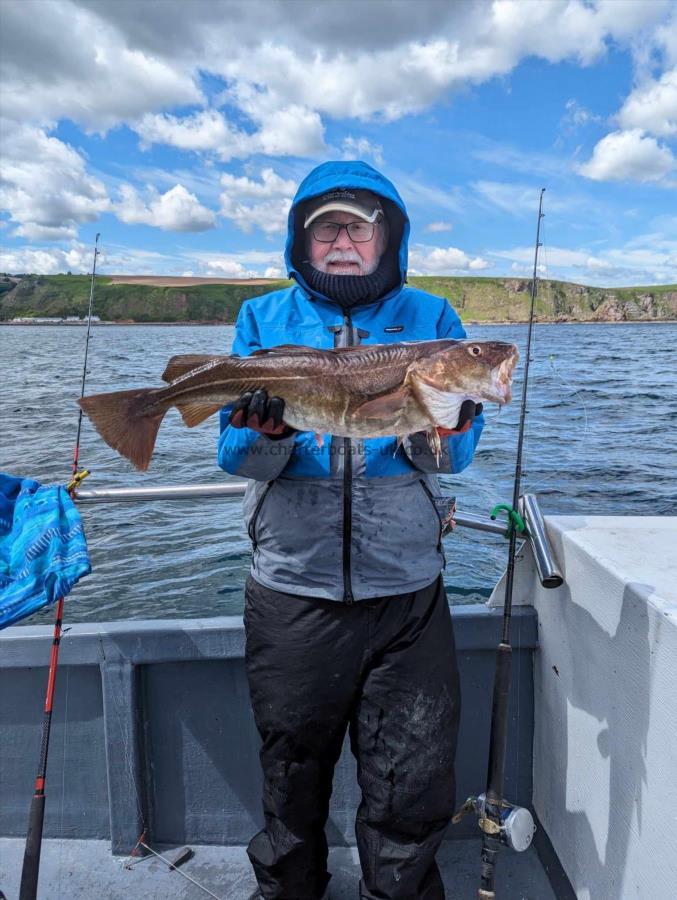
<point x="546" y="565"/>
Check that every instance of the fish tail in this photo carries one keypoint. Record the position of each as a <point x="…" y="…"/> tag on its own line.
<point x="127" y="422"/>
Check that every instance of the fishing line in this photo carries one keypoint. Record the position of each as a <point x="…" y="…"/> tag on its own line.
<point x="546" y="380"/>
<point x="180" y="871"/>
<point x="499" y="821"/>
<point x="127" y="753"/>
<point x="31" y="862"/>
<point x="63" y="776"/>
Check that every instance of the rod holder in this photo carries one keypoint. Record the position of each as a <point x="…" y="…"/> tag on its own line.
<point x="546" y="565"/>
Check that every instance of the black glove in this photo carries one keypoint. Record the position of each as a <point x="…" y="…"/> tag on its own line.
<point x="260" y="413"/>
<point x="467" y="414"/>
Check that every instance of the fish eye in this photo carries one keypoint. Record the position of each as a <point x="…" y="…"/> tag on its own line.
<point x="475" y="350"/>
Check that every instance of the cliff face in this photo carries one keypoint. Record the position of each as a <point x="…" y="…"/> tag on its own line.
<point x="508" y="300"/>
<point x="476" y="299"/>
<point x="38" y="296"/>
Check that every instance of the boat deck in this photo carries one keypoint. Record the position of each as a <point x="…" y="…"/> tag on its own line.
<point x="85" y="869"/>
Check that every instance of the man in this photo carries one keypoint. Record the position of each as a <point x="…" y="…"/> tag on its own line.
<point x="346" y="619"/>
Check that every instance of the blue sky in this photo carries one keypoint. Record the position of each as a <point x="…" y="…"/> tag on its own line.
<point x="180" y="131"/>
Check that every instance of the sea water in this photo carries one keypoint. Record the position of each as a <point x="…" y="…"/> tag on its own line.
<point x="601" y="439"/>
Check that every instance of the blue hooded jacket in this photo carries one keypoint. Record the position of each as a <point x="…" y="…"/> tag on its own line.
<point x="351" y="519"/>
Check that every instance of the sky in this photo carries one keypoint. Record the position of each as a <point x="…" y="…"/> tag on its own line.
<point x="180" y="131"/>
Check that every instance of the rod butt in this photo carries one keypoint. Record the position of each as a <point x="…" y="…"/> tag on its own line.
<point x="31" y="864"/>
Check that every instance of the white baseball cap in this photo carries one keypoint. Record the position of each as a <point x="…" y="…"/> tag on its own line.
<point x="363" y="204"/>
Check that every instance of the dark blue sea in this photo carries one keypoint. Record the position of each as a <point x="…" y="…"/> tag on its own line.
<point x="601" y="440"/>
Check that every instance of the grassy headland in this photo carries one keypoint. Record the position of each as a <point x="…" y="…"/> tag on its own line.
<point x="476" y="300"/>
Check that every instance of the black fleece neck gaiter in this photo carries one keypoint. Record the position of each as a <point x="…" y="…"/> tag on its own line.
<point x="354" y="290"/>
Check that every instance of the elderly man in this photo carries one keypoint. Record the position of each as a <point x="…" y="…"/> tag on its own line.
<point x="346" y="618"/>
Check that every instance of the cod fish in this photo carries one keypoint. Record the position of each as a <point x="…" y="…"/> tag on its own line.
<point x="371" y="390"/>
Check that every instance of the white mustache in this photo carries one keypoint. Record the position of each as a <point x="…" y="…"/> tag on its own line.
<point x="346" y="256"/>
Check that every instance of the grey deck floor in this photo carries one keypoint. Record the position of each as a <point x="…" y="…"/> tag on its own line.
<point x="85" y="870"/>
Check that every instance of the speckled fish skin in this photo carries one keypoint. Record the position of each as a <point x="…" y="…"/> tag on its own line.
<point x="360" y="392"/>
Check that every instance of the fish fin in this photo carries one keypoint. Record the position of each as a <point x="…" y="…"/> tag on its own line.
<point x="286" y="349"/>
<point x="387" y="405"/>
<point x="359" y="347"/>
<point x="435" y="443"/>
<point x="120" y="419"/>
<point x="196" y="412"/>
<point x="182" y="364"/>
<point x="442" y="407"/>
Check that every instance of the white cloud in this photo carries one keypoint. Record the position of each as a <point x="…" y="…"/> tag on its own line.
<point x="45" y="186"/>
<point x="653" y="106"/>
<point x="361" y="148"/>
<point x="176" y="210"/>
<point x="240" y="264"/>
<point x="48" y="261"/>
<point x="115" y="62"/>
<point x="228" y="268"/>
<point x="421" y="195"/>
<point x="274" y="272"/>
<point x="519" y="199"/>
<point x="648" y="259"/>
<point x="516" y="199"/>
<point x="63" y="60"/>
<point x="292" y="131"/>
<point x="576" y="116"/>
<point x="436" y="227"/>
<point x="629" y="156"/>
<point x="262" y="204"/>
<point x="557" y="256"/>
<point x="122" y="260"/>
<point x="443" y="261"/>
<point x="204" y="130"/>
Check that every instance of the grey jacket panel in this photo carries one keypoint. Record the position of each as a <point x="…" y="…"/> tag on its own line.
<point x="296" y="528"/>
<point x="396" y="535"/>
<point x="265" y="459"/>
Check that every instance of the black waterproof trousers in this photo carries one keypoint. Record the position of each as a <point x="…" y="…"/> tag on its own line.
<point x="385" y="668"/>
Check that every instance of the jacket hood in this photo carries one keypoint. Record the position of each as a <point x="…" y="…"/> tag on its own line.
<point x="349" y="174"/>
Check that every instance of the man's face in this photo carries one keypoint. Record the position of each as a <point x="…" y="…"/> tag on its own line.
<point x="343" y="256"/>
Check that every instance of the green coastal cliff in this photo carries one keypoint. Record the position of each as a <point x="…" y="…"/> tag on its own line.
<point x="476" y="299"/>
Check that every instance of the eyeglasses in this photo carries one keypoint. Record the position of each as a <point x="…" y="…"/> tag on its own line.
<point x="358" y="232"/>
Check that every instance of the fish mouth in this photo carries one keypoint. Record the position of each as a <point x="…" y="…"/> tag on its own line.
<point x="501" y="378"/>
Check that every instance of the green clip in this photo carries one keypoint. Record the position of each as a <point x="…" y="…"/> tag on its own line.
<point x="515" y="520"/>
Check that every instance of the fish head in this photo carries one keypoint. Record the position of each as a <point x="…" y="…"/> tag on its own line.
<point x="479" y="370"/>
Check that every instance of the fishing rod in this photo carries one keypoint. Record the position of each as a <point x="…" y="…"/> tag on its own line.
<point x="501" y="822"/>
<point x="36" y="817"/>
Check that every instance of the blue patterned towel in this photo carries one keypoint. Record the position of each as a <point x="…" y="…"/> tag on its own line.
<point x="43" y="551"/>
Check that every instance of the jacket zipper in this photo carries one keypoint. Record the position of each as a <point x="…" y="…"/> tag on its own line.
<point x="429" y="495"/>
<point x="251" y="531"/>
<point x="347" y="491"/>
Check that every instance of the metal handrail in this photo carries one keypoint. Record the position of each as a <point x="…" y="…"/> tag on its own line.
<point x="546" y="565"/>
<point x="215" y="491"/>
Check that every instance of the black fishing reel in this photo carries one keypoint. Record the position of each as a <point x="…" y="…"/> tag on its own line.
<point x="516" y="827"/>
